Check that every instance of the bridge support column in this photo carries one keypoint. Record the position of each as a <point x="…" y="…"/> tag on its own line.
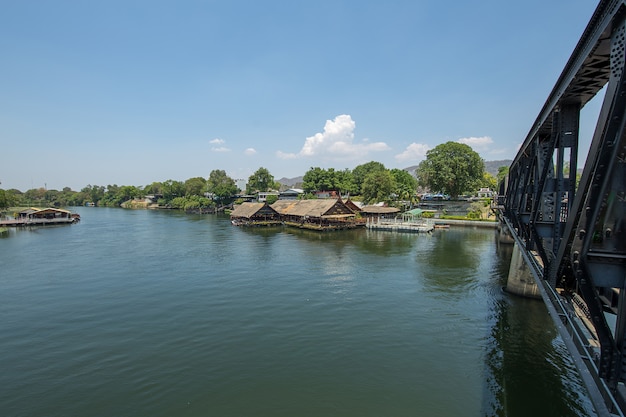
<point x="520" y="280"/>
<point x="504" y="234"/>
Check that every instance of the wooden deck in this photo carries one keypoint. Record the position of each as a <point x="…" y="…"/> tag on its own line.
<point x="35" y="222"/>
<point x="398" y="225"/>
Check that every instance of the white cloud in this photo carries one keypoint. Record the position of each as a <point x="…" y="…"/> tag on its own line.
<point x="413" y="152"/>
<point x="220" y="149"/>
<point x="285" y="155"/>
<point x="250" y="151"/>
<point x="336" y="142"/>
<point x="217" y="142"/>
<point x="482" y="143"/>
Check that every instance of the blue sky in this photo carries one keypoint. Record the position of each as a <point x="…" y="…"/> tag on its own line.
<point x="131" y="92"/>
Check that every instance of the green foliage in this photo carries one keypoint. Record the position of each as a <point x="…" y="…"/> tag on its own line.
<point x="261" y="180"/>
<point x="405" y="185"/>
<point x="221" y="185"/>
<point x="116" y="195"/>
<point x="360" y="172"/>
<point x="319" y="179"/>
<point x="475" y="210"/>
<point x="503" y="171"/>
<point x="4" y="201"/>
<point x="345" y="182"/>
<point x="489" y="181"/>
<point x="178" y="202"/>
<point x="271" y="199"/>
<point x="154" y="188"/>
<point x="190" y="203"/>
<point x="172" y="189"/>
<point x="451" y="168"/>
<point x="378" y="186"/>
<point x="195" y="186"/>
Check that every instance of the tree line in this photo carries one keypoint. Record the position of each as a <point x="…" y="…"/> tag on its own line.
<point x="451" y="168"/>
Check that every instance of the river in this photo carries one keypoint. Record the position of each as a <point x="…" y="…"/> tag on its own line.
<point x="151" y="313"/>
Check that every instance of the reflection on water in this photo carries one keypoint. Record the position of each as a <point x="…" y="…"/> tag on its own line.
<point x="157" y="314"/>
<point x="527" y="362"/>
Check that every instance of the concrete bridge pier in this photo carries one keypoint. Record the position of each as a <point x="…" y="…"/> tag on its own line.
<point x="504" y="234"/>
<point x="520" y="280"/>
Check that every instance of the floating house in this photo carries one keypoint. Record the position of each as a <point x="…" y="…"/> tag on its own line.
<point x="326" y="214"/>
<point x="376" y="211"/>
<point x="38" y="217"/>
<point x="352" y="205"/>
<point x="409" y="221"/>
<point x="254" y="214"/>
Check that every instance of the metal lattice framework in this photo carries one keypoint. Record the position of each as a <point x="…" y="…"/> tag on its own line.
<point x="573" y="236"/>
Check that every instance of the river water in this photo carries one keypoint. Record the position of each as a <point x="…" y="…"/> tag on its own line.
<point x="150" y="313"/>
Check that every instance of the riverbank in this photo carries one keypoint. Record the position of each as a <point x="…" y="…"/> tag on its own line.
<point x="467" y="223"/>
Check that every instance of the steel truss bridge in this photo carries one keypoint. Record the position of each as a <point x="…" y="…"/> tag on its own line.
<point x="573" y="236"/>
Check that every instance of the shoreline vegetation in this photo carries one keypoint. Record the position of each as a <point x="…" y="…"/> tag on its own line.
<point x="440" y="220"/>
<point x="439" y="192"/>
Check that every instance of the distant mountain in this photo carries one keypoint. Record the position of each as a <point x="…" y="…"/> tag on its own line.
<point x="492" y="166"/>
<point x="411" y="170"/>
<point x="290" y="182"/>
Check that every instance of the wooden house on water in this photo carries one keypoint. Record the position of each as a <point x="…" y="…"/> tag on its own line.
<point x="321" y="214"/>
<point x="379" y="212"/>
<point x="254" y="214"/>
<point x="41" y="217"/>
<point x="352" y="205"/>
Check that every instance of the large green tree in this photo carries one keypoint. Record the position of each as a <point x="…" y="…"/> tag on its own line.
<point x="451" y="168"/>
<point x="378" y="186"/>
<point x="320" y="179"/>
<point x="345" y="181"/>
<point x="489" y="181"/>
<point x="360" y="172"/>
<point x="405" y="184"/>
<point x="172" y="189"/>
<point x="154" y="188"/>
<point x="4" y="201"/>
<point x="195" y="186"/>
<point x="221" y="185"/>
<point x="261" y="180"/>
<point x="93" y="193"/>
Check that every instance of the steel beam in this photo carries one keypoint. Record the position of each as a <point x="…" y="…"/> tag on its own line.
<point x="574" y="236"/>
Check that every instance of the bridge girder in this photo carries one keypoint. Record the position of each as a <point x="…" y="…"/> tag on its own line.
<point x="574" y="235"/>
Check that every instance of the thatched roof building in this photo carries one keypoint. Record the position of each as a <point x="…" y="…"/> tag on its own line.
<point x="379" y="211"/>
<point x="320" y="208"/>
<point x="249" y="214"/>
<point x="316" y="214"/>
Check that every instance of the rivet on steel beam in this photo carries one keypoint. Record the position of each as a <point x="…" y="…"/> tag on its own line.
<point x="608" y="232"/>
<point x="581" y="233"/>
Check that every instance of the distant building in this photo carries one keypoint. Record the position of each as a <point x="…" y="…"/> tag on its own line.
<point x="326" y="194"/>
<point x="291" y="194"/>
<point x="485" y="193"/>
<point x="262" y="196"/>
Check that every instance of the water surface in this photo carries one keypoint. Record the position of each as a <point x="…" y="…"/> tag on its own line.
<point x="146" y="313"/>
